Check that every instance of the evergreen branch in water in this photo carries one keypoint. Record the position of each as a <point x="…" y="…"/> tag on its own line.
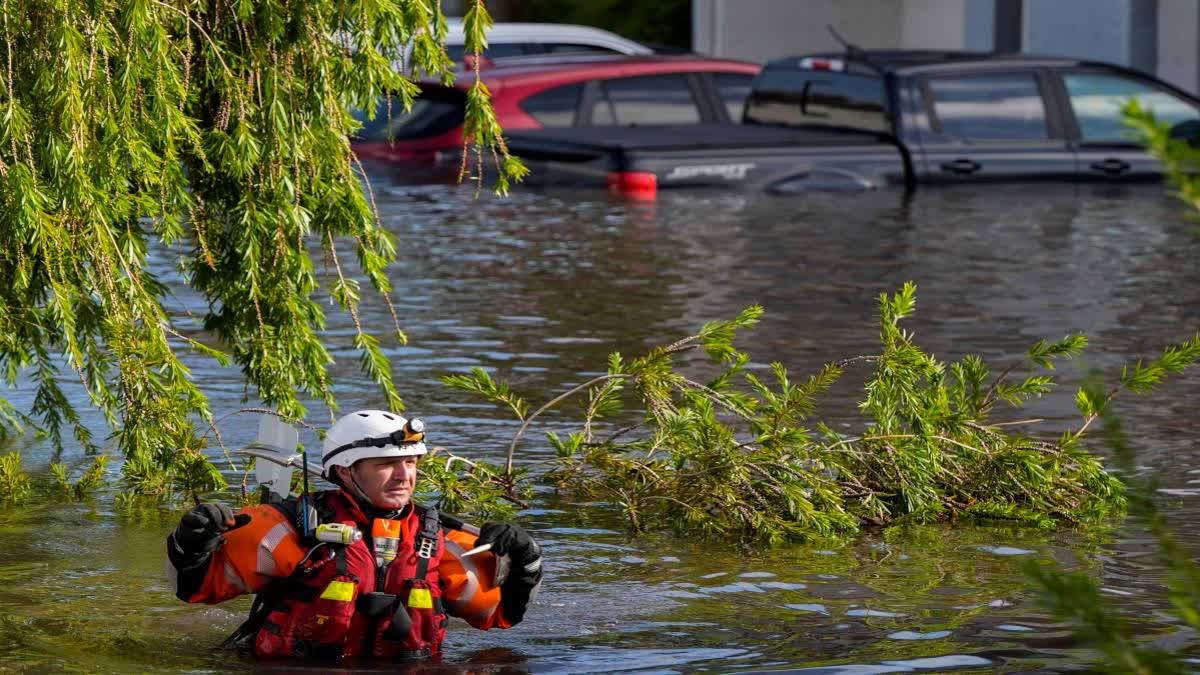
<point x="736" y="458"/>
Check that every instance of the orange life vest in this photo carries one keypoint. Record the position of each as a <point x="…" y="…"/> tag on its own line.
<point x="331" y="600"/>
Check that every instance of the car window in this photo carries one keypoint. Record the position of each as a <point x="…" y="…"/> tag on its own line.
<point x="1097" y="100"/>
<point x="436" y="111"/>
<point x="792" y="97"/>
<point x="495" y="50"/>
<point x="733" y="88"/>
<point x="1002" y="107"/>
<point x="554" y="107"/>
<point x="574" y="48"/>
<point x="647" y="100"/>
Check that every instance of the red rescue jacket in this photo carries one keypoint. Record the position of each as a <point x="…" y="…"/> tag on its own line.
<point x="330" y="600"/>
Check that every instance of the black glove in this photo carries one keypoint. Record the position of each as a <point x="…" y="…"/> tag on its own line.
<point x="519" y="588"/>
<point x="191" y="545"/>
<point x="199" y="532"/>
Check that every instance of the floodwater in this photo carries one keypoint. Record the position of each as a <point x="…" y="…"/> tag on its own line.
<point x="538" y="288"/>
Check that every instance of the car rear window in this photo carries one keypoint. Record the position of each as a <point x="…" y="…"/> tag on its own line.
<point x="644" y="101"/>
<point x="436" y="111"/>
<point x="792" y="96"/>
<point x="554" y="107"/>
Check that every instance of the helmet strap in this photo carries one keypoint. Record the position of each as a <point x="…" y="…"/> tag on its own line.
<point x="354" y="488"/>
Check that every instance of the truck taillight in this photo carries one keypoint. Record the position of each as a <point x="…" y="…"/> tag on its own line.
<point x="834" y="65"/>
<point x="633" y="184"/>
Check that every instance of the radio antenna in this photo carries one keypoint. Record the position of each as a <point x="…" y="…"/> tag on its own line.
<point x="851" y="50"/>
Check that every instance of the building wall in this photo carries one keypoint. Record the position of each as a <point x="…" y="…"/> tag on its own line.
<point x="758" y="30"/>
<point x="979" y="24"/>
<point x="933" y="24"/>
<point x="1119" y="31"/>
<point x="1156" y="36"/>
<point x="1178" y="46"/>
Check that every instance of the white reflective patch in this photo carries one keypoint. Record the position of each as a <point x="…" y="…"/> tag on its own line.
<point x="274" y="536"/>
<point x="534" y="566"/>
<point x="266" y="563"/>
<point x="265" y="560"/>
<point x="232" y="577"/>
<point x="468" y="564"/>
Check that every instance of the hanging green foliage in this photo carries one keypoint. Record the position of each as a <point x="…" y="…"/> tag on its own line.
<point x="1176" y="146"/>
<point x="216" y="132"/>
<point x="1077" y="597"/>
<point x="739" y="458"/>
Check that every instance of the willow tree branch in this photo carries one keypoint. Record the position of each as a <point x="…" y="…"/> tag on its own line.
<point x="512" y="447"/>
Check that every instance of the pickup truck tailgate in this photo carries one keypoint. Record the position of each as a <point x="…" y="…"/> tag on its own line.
<point x="712" y="155"/>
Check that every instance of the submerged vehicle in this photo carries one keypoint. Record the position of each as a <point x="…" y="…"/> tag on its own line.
<point x="557" y="92"/>
<point x="871" y="119"/>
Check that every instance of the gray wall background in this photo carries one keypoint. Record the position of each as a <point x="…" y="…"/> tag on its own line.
<point x="1157" y="36"/>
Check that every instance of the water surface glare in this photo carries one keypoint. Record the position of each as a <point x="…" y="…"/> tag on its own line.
<point x="538" y="289"/>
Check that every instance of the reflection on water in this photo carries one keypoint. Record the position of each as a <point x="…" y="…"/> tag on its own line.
<point x="539" y="288"/>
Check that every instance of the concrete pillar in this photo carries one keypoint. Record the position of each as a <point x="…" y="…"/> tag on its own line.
<point x="1007" y="22"/>
<point x="1117" y="31"/>
<point x="704" y="30"/>
<point x="1179" y="43"/>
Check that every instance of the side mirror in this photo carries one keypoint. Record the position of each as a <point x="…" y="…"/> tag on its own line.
<point x="1188" y="130"/>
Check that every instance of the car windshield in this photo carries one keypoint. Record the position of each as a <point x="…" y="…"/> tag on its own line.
<point x="436" y="111"/>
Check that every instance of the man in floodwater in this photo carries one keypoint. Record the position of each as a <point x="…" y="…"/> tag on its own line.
<point x="377" y="578"/>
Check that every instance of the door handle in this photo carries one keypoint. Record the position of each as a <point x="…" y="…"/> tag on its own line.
<point x="1111" y="166"/>
<point x="961" y="166"/>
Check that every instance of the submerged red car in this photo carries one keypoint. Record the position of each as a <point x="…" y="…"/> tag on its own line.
<point x="561" y="91"/>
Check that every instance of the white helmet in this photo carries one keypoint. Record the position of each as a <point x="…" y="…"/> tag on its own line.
<point x="368" y="434"/>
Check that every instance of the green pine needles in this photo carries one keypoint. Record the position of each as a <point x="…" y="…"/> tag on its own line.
<point x="216" y="132"/>
<point x="740" y="458"/>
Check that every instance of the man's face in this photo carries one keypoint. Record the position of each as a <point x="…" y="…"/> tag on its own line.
<point x="388" y="482"/>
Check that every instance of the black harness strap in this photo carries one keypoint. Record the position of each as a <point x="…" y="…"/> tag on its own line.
<point x="427" y="540"/>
